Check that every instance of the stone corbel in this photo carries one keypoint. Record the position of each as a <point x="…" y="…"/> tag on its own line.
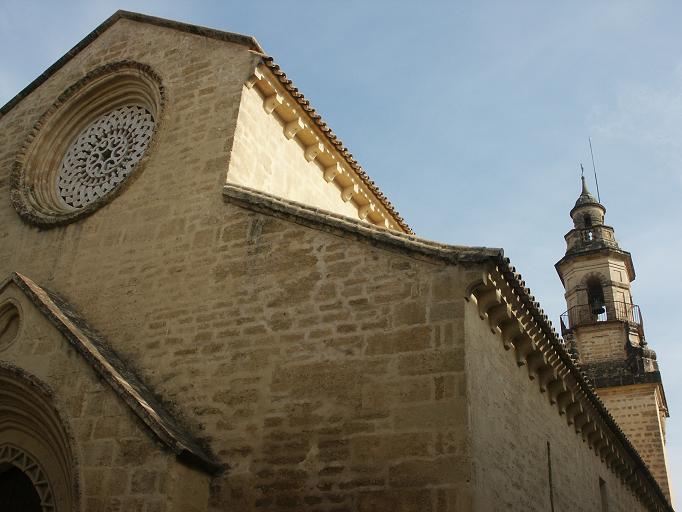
<point x="523" y="344"/>
<point x="313" y="151"/>
<point x="272" y="102"/>
<point x="293" y="127"/>
<point x="572" y="411"/>
<point x="563" y="401"/>
<point x="251" y="81"/>
<point x="365" y="210"/>
<point x="510" y="330"/>
<point x="592" y="434"/>
<point x="486" y="299"/>
<point x="348" y="192"/>
<point x="555" y="388"/>
<point x="546" y="376"/>
<point x="331" y="172"/>
<point x="497" y="315"/>
<point x="535" y="361"/>
<point x="580" y="421"/>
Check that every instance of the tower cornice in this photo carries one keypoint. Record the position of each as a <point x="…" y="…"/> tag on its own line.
<point x="591" y="253"/>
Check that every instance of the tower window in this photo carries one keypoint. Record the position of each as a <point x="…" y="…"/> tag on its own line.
<point x="595" y="296"/>
<point x="587" y="220"/>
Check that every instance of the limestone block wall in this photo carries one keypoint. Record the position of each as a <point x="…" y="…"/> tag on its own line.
<point x="602" y="342"/>
<point x="264" y="159"/>
<point x="610" y="270"/>
<point x="637" y="409"/>
<point x="325" y="372"/>
<point x="515" y="431"/>
<point x="118" y="465"/>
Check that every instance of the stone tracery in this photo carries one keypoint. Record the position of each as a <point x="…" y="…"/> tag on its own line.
<point x="12" y="456"/>
<point x="104" y="154"/>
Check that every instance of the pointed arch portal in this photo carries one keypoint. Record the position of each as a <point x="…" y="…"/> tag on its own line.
<point x="37" y="467"/>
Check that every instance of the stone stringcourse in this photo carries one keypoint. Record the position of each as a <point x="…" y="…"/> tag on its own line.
<point x="90" y="344"/>
<point x="504" y="301"/>
<point x="320" y="144"/>
<point x="61" y="173"/>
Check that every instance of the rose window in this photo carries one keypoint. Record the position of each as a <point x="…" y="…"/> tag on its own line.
<point x="104" y="154"/>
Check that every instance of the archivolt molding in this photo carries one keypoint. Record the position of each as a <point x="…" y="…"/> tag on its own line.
<point x="334" y="165"/>
<point x="13" y="456"/>
<point x="36" y="440"/>
<point x="102" y="92"/>
<point x="512" y="313"/>
<point x="599" y="276"/>
<point x="10" y="323"/>
<point x="108" y="366"/>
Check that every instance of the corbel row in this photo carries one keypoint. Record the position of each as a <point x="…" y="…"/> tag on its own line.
<point x="508" y="316"/>
<point x="316" y="148"/>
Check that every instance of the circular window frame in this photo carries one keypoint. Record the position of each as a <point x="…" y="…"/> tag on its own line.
<point x="34" y="193"/>
<point x="11" y="303"/>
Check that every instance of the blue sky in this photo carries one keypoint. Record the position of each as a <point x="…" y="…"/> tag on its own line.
<point x="472" y="117"/>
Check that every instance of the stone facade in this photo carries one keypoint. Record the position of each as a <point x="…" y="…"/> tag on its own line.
<point x="244" y="351"/>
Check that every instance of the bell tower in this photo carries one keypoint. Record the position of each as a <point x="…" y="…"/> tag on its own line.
<point x="603" y="327"/>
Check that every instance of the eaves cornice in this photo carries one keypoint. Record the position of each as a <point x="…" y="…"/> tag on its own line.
<point x="511" y="311"/>
<point x="300" y="120"/>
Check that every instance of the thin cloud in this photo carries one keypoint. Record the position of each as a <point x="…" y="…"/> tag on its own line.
<point x="647" y="116"/>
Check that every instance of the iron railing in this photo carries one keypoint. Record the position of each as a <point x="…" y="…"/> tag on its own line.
<point x="588" y="314"/>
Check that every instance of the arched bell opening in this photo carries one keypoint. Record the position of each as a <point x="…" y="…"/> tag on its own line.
<point x="595" y="296"/>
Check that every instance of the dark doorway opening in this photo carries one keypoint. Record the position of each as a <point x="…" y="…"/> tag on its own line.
<point x="17" y="493"/>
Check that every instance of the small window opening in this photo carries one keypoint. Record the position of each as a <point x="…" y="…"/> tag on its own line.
<point x="588" y="221"/>
<point x="595" y="296"/>
<point x="549" y="477"/>
<point x="603" y="492"/>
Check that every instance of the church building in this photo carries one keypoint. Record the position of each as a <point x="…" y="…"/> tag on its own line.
<point x="206" y="304"/>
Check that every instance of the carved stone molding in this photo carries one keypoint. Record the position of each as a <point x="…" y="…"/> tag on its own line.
<point x="511" y="312"/>
<point x="12" y="456"/>
<point x="334" y="166"/>
<point x="88" y="145"/>
<point x="36" y="440"/>
<point x="10" y="323"/>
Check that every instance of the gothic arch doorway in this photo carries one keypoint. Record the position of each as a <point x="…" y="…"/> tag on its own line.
<point x="37" y="466"/>
<point x="22" y="482"/>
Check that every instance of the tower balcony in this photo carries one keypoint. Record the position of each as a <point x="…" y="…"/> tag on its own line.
<point x="591" y="314"/>
<point x="593" y="237"/>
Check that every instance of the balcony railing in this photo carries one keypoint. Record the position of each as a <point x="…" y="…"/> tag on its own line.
<point x="589" y="314"/>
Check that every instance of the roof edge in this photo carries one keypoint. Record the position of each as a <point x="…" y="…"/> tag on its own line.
<point x="517" y="285"/>
<point x="324" y="220"/>
<point x="109" y="366"/>
<point x="232" y="37"/>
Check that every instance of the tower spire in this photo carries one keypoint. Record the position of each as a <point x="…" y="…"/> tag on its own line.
<point x="603" y="327"/>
